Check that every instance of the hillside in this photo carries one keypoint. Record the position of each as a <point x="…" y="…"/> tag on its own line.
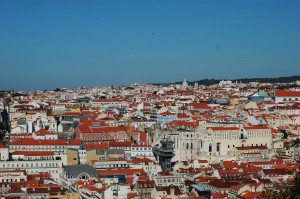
<point x="208" y="82"/>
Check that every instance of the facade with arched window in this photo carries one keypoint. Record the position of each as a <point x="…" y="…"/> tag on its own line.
<point x="192" y="143"/>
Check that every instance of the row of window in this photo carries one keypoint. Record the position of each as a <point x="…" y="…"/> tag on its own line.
<point x="290" y="99"/>
<point x="140" y="154"/>
<point x="168" y="180"/>
<point x="141" y="149"/>
<point x="32" y="165"/>
<point x="42" y="146"/>
<point x="187" y="146"/>
<point x="12" y="180"/>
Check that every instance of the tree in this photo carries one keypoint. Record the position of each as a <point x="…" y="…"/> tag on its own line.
<point x="285" y="134"/>
<point x="2" y="127"/>
<point x="57" y="119"/>
<point x="285" y="191"/>
<point x="294" y="191"/>
<point x="47" y="127"/>
<point x="296" y="142"/>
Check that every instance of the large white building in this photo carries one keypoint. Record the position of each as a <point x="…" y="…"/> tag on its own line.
<point x="53" y="167"/>
<point x="109" y="103"/>
<point x="286" y="96"/>
<point x="29" y="144"/>
<point x="4" y="155"/>
<point x="195" y="141"/>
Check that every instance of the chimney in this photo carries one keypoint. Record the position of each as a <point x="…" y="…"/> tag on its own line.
<point x="252" y="188"/>
<point x="172" y="190"/>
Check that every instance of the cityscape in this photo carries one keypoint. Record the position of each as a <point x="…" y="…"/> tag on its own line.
<point x="149" y="99"/>
<point x="226" y="140"/>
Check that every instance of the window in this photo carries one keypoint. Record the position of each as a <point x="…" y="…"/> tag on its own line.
<point x="218" y="147"/>
<point x="187" y="145"/>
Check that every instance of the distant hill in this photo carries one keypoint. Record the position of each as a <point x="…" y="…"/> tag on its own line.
<point x="208" y="82"/>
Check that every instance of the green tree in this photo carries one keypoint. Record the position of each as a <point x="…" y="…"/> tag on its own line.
<point x="2" y="127"/>
<point x="47" y="127"/>
<point x="296" y="142"/>
<point x="57" y="119"/>
<point x="294" y="191"/>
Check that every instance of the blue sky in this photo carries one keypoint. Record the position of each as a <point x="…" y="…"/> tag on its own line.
<point x="45" y="44"/>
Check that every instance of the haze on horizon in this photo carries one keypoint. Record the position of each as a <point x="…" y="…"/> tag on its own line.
<point x="62" y="43"/>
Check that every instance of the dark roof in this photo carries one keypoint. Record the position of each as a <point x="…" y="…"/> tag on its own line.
<point x="75" y="170"/>
<point x="21" y="121"/>
<point x="168" y="190"/>
<point x="275" y="171"/>
<point x="72" y="149"/>
<point x="189" y="182"/>
<point x="264" y="181"/>
<point x="82" y="147"/>
<point x="83" y="117"/>
<point x="216" y="166"/>
<point x="222" y="184"/>
<point x="116" y="151"/>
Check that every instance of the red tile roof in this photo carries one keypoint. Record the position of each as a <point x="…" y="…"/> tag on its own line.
<point x="182" y="123"/>
<point x="96" y="146"/>
<point x="221" y="128"/>
<point x="287" y="93"/>
<point x="256" y="127"/>
<point x="121" y="172"/>
<point x="131" y="195"/>
<point x="199" y="105"/>
<point x="34" y="153"/>
<point x="30" y="141"/>
<point x="108" y="100"/>
<point x="2" y="146"/>
<point x="119" y="144"/>
<point x="88" y="129"/>
<point x="250" y="195"/>
<point x="252" y="148"/>
<point x="167" y="113"/>
<point x="230" y="164"/>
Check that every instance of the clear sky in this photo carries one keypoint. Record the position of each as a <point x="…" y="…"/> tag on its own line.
<point x="45" y="44"/>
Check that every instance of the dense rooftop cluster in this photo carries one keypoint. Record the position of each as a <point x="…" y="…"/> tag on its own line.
<point x="229" y="140"/>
